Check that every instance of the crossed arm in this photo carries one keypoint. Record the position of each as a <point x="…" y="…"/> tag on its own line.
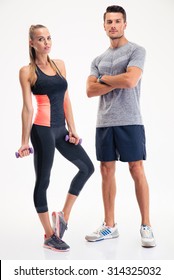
<point x="128" y="79"/>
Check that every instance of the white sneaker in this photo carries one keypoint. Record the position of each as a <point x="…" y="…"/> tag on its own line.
<point x="147" y="238"/>
<point x="103" y="232"/>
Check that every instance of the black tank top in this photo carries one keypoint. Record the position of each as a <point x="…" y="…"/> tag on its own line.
<point x="49" y="92"/>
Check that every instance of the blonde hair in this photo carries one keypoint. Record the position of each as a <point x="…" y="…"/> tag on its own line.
<point x="32" y="55"/>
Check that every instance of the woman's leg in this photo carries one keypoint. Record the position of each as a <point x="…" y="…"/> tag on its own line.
<point x="45" y="221"/>
<point x="44" y="147"/>
<point x="77" y="155"/>
<point x="69" y="202"/>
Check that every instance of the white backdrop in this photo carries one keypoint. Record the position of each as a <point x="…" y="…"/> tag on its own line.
<point x="78" y="36"/>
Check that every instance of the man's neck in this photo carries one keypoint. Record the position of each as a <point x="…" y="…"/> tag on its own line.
<point x="116" y="43"/>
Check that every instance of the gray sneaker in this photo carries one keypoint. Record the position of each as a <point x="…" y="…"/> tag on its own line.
<point x="56" y="244"/>
<point x="59" y="224"/>
<point x="102" y="233"/>
<point x="147" y="238"/>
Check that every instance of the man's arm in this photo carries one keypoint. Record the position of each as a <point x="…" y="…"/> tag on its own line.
<point x="94" y="88"/>
<point x="128" y="79"/>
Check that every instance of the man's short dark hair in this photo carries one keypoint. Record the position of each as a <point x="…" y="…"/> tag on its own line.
<point x="115" y="9"/>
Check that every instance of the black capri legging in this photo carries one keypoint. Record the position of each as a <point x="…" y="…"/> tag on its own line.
<point x="44" y="140"/>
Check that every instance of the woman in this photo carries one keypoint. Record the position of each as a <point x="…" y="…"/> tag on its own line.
<point x="46" y="79"/>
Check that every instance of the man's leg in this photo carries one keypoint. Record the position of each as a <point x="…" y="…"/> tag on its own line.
<point x="109" y="228"/>
<point x="108" y="191"/>
<point x="141" y="189"/>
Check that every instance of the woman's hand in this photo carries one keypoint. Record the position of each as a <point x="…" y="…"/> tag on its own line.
<point x="24" y="150"/>
<point x="74" y="138"/>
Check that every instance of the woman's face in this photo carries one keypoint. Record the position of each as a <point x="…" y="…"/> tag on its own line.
<point x="41" y="41"/>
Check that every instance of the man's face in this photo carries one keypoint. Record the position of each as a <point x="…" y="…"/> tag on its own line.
<point x="114" y="25"/>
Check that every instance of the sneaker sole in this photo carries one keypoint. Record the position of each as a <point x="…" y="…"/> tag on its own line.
<point x="54" y="249"/>
<point x="55" y="219"/>
<point x="147" y="245"/>
<point x="101" y="239"/>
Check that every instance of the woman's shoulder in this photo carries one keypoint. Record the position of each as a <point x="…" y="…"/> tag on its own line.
<point x="25" y="70"/>
<point x="59" y="62"/>
<point x="24" y="73"/>
<point x="60" y="65"/>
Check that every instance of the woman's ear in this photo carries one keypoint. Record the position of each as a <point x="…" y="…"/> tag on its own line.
<point x="31" y="43"/>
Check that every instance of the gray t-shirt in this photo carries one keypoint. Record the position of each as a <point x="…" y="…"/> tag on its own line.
<point x="120" y="106"/>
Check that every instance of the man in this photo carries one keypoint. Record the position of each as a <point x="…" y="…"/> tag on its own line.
<point x="116" y="78"/>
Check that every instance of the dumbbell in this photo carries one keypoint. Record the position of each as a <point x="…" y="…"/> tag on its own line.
<point x="30" y="151"/>
<point x="67" y="138"/>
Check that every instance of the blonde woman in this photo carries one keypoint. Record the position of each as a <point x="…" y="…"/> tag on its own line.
<point x="46" y="80"/>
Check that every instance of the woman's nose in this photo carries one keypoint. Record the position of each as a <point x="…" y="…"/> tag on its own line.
<point x="46" y="42"/>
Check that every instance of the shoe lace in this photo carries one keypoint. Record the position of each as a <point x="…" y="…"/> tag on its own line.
<point x="98" y="230"/>
<point x="57" y="239"/>
<point x="147" y="232"/>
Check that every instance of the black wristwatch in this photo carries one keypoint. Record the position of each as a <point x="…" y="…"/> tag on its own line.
<point x="100" y="80"/>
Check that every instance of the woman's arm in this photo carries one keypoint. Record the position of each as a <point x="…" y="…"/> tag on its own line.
<point x="27" y="110"/>
<point x="73" y="136"/>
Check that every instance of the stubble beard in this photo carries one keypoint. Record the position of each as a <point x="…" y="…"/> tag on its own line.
<point x="116" y="37"/>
